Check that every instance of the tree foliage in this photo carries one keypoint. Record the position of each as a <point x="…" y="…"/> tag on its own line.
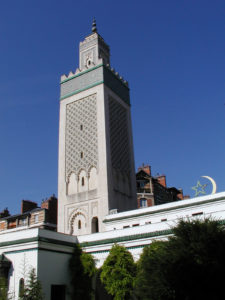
<point x="118" y="273"/>
<point x="32" y="289"/>
<point x="151" y="269"/>
<point x="188" y="266"/>
<point x="82" y="271"/>
<point x="3" y="289"/>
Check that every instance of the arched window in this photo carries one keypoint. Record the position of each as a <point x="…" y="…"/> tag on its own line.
<point x="82" y="181"/>
<point x="21" y="287"/>
<point x="94" y="225"/>
<point x="143" y="202"/>
<point x="79" y="224"/>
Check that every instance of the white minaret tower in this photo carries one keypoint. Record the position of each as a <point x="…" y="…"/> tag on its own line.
<point x="96" y="162"/>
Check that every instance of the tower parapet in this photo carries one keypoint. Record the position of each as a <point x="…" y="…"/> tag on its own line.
<point x="72" y="74"/>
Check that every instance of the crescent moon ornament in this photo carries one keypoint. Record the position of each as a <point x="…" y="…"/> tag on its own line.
<point x="213" y="183"/>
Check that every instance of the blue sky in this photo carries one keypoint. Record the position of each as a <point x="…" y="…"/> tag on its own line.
<point x="170" y="51"/>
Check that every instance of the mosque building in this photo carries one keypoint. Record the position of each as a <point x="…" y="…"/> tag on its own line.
<point x="97" y="196"/>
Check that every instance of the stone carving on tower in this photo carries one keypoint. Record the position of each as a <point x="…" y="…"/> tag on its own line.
<point x="96" y="165"/>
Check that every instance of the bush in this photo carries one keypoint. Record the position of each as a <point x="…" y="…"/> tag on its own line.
<point x="118" y="273"/>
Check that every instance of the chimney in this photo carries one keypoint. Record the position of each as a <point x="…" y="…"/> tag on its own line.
<point x="51" y="205"/>
<point x="146" y="168"/>
<point x="27" y="205"/>
<point x="162" y="180"/>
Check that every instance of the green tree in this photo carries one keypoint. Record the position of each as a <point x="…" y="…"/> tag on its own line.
<point x="82" y="271"/>
<point x="3" y="289"/>
<point x="189" y="266"/>
<point x="118" y="273"/>
<point x="33" y="288"/>
<point x="152" y="266"/>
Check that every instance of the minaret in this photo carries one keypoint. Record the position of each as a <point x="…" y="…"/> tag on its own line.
<point x="96" y="173"/>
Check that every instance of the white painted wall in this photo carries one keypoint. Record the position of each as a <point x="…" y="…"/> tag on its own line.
<point x="53" y="269"/>
<point x="50" y="258"/>
<point x="211" y="206"/>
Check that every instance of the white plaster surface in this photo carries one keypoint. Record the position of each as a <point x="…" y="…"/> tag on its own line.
<point x="50" y="261"/>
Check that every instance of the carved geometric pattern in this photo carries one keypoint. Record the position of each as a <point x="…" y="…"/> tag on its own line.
<point x="119" y="139"/>
<point x="81" y="135"/>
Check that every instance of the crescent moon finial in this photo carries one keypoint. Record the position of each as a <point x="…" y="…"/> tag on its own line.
<point x="213" y="183"/>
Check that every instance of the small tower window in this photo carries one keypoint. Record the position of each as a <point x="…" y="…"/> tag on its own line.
<point x="81" y="155"/>
<point x="79" y="224"/>
<point x="82" y="181"/>
<point x="94" y="225"/>
<point x="81" y="127"/>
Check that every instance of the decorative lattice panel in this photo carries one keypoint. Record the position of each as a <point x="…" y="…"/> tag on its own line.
<point x="119" y="136"/>
<point x="81" y="135"/>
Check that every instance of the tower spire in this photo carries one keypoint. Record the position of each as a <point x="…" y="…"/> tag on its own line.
<point x="94" y="28"/>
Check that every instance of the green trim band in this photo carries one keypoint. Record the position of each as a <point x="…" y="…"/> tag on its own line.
<point x="37" y="249"/>
<point x="56" y="242"/>
<point x="81" y="73"/>
<point x="161" y="210"/>
<point x="81" y="90"/>
<point x="128" y="248"/>
<point x="19" y="251"/>
<point x="127" y="238"/>
<point x="18" y="242"/>
<point x="37" y="239"/>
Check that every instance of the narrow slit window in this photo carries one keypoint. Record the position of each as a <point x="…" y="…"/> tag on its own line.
<point x="82" y="181"/>
<point x="197" y="214"/>
<point x="81" y="155"/>
<point x="81" y="127"/>
<point x="79" y="224"/>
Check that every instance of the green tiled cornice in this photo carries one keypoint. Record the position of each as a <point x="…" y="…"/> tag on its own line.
<point x="81" y="90"/>
<point x="128" y="248"/>
<point x="127" y="238"/>
<point x="115" y="76"/>
<point x="93" y="77"/>
<point x="36" y="249"/>
<point x="36" y="239"/>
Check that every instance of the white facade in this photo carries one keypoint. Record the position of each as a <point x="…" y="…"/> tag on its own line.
<point x="49" y="252"/>
<point x="46" y="251"/>
<point x="137" y="228"/>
